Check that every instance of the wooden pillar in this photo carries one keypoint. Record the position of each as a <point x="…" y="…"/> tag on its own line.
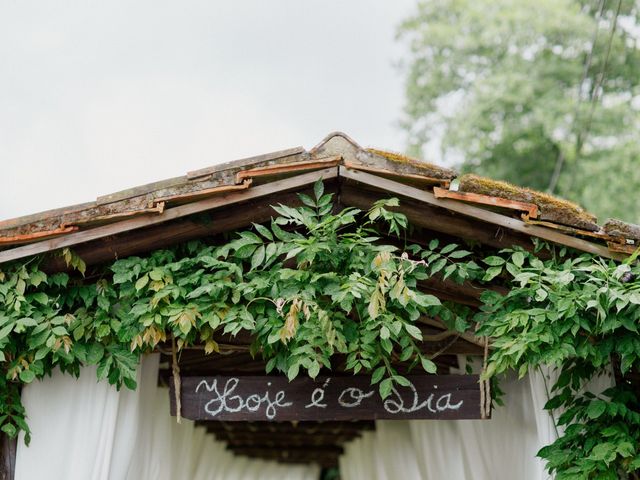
<point x="7" y="457"/>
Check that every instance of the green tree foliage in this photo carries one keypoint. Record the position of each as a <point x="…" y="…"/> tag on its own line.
<point x="544" y="94"/>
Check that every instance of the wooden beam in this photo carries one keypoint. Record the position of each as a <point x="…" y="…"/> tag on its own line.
<point x="283" y="440"/>
<point x="325" y="457"/>
<point x="440" y="220"/>
<point x="162" y="236"/>
<point x="7" y="457"/>
<point x="479" y="213"/>
<point x="530" y="208"/>
<point x="288" y="428"/>
<point x="169" y="214"/>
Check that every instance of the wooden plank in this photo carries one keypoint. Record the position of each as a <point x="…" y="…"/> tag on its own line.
<point x="243" y="162"/>
<point x="225" y="219"/>
<point x="440" y="220"/>
<point x="7" y="457"/>
<point x="479" y="213"/>
<point x="169" y="214"/>
<point x="530" y="208"/>
<point x="197" y="194"/>
<point x="30" y="237"/>
<point x="274" y="398"/>
<point x="325" y="457"/>
<point x="283" y="440"/>
<point x="288" y="428"/>
<point x="279" y="169"/>
<point x="423" y="179"/>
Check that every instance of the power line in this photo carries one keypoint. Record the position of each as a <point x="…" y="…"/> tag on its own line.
<point x="597" y="90"/>
<point x="555" y="176"/>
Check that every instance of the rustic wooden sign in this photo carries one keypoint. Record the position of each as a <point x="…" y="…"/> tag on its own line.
<point x="272" y="398"/>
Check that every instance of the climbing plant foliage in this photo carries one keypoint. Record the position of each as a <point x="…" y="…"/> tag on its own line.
<point x="315" y="283"/>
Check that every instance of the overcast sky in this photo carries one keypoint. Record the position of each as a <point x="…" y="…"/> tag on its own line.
<point x="100" y="96"/>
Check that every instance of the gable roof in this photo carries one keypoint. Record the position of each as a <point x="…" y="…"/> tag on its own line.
<point x="437" y="191"/>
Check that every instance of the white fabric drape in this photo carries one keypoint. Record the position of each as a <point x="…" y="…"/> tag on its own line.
<point x="86" y="430"/>
<point x="502" y="448"/>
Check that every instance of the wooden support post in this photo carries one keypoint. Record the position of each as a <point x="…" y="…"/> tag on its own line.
<point x="7" y="457"/>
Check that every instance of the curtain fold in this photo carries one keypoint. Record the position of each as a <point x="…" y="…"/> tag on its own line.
<point x="502" y="448"/>
<point x="87" y="430"/>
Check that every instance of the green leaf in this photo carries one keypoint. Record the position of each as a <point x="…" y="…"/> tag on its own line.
<point x="9" y="429"/>
<point x="6" y="330"/>
<point x="413" y="331"/>
<point x="460" y="254"/>
<point x="635" y="298"/>
<point x="428" y="366"/>
<point x="59" y="330"/>
<point x="142" y="282"/>
<point x="518" y="259"/>
<point x="385" y="387"/>
<point x="491" y="273"/>
<point x="384" y="332"/>
<point x="245" y="251"/>
<point x="402" y="381"/>
<point x="156" y="275"/>
<point x="95" y="352"/>
<point x="258" y="257"/>
<point x="494" y="261"/>
<point x="27" y="376"/>
<point x="596" y="409"/>
<point x="377" y="375"/>
<point x="264" y="231"/>
<point x="318" y="189"/>
<point x="314" y="369"/>
<point x="293" y="370"/>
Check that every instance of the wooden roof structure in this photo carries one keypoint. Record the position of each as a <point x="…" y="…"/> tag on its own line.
<point x="223" y="198"/>
<point x="162" y="213"/>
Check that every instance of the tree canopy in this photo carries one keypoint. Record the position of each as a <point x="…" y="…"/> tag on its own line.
<point x="543" y="94"/>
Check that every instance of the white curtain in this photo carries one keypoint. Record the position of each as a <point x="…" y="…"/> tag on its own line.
<point x="502" y="448"/>
<point x="83" y="429"/>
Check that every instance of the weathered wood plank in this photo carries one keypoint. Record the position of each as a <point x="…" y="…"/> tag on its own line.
<point x="169" y="214"/>
<point x="274" y="398"/>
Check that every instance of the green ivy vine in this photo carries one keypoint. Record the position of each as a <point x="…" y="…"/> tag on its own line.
<point x="315" y="283"/>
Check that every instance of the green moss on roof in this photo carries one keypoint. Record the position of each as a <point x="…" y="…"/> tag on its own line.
<point x="552" y="208"/>
<point x="618" y="228"/>
<point x="408" y="164"/>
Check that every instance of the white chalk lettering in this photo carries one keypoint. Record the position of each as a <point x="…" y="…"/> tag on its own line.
<point x="357" y="396"/>
<point x="318" y="396"/>
<point x="226" y="402"/>
<point x="396" y="403"/>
